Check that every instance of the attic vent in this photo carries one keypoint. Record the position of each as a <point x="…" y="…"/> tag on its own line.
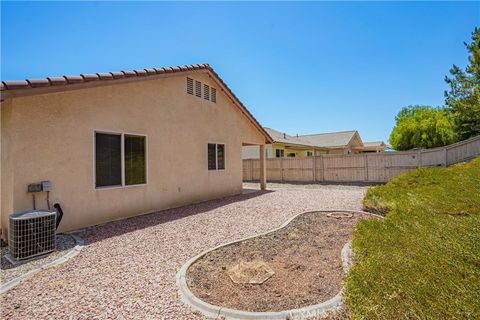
<point x="206" y="92"/>
<point x="198" y="88"/>
<point x="32" y="233"/>
<point x="213" y="95"/>
<point x="190" y="86"/>
<point x="209" y="93"/>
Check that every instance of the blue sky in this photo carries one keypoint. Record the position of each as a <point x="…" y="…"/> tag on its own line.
<point x="299" y="67"/>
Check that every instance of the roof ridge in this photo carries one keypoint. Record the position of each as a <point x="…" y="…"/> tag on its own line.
<point x="318" y="134"/>
<point x="88" y="77"/>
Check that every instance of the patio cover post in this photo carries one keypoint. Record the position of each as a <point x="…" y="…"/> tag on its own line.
<point x="263" y="168"/>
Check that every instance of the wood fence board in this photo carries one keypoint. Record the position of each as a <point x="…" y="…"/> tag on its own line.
<point x="366" y="167"/>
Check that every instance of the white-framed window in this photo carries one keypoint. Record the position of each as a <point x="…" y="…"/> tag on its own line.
<point x="216" y="156"/>
<point x="279" y="153"/>
<point x="120" y="159"/>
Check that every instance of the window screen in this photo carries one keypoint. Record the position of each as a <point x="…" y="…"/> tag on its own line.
<point x="108" y="163"/>
<point x="212" y="161"/>
<point x="135" y="166"/>
<point x="220" y="156"/>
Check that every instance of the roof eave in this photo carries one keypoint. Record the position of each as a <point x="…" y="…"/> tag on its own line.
<point x="29" y="87"/>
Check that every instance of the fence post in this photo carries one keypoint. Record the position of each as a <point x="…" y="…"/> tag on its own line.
<point x="446" y="156"/>
<point x="281" y="169"/>
<point x="252" y="164"/>
<point x="323" y="167"/>
<point x="314" y="167"/>
<point x="366" y="167"/>
<point x="419" y="158"/>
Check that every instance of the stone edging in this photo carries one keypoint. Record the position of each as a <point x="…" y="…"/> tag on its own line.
<point x="63" y="258"/>
<point x="213" y="311"/>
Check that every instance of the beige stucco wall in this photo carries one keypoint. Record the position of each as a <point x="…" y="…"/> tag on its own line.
<point x="51" y="137"/>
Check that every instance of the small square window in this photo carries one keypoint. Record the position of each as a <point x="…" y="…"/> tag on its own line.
<point x="216" y="156"/>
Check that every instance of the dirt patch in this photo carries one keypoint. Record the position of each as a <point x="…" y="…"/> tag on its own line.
<point x="304" y="256"/>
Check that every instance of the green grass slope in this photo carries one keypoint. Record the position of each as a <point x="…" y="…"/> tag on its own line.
<point x="423" y="260"/>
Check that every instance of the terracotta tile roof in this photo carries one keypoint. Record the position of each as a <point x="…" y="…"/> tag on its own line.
<point x="57" y="81"/>
<point x="74" y="79"/>
<point x="31" y="86"/>
<point x="9" y="85"/>
<point x="38" y="82"/>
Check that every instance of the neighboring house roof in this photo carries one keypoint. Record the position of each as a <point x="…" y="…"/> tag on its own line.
<point x="332" y="139"/>
<point x="374" y="144"/>
<point x="281" y="137"/>
<point x="28" y="87"/>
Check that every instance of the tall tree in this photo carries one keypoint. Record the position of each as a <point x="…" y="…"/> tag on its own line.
<point x="463" y="97"/>
<point x="422" y="127"/>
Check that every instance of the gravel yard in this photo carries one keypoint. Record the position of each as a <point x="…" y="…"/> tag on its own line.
<point x="127" y="268"/>
<point x="65" y="242"/>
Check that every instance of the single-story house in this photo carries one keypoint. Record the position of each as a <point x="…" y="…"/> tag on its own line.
<point x="374" y="146"/>
<point x="343" y="142"/>
<point x="284" y="145"/>
<point x="120" y="144"/>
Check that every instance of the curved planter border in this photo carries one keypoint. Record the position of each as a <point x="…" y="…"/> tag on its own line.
<point x="62" y="259"/>
<point x="210" y="310"/>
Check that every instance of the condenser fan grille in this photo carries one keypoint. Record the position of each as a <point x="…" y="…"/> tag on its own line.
<point x="32" y="233"/>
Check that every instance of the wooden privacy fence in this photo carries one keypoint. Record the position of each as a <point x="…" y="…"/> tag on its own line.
<point x="364" y="167"/>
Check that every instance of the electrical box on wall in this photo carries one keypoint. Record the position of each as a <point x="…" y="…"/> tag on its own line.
<point x="35" y="187"/>
<point x="40" y="186"/>
<point x="46" y="186"/>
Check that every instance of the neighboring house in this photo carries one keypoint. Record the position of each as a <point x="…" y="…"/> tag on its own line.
<point x="121" y="144"/>
<point x="344" y="142"/>
<point x="283" y="145"/>
<point x="375" y="146"/>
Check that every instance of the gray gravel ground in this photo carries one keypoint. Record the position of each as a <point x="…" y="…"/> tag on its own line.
<point x="65" y="242"/>
<point x="127" y="268"/>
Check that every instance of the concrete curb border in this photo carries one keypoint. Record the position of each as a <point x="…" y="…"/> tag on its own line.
<point x="62" y="259"/>
<point x="213" y="311"/>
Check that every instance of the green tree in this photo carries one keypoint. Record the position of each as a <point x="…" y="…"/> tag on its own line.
<point x="422" y="127"/>
<point x="463" y="97"/>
